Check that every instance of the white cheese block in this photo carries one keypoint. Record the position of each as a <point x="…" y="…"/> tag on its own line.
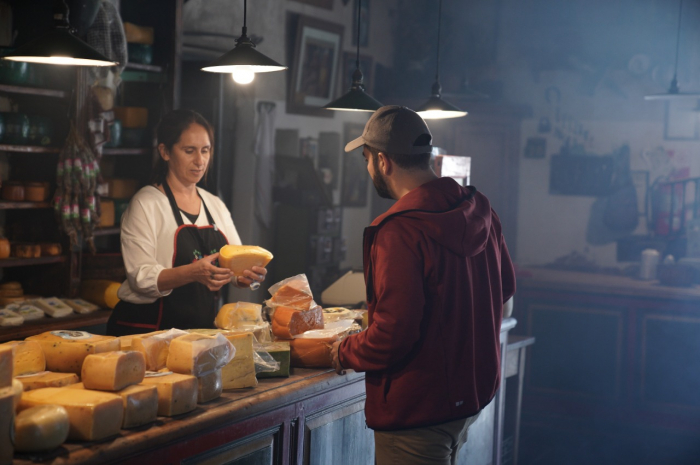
<point x="80" y="305"/>
<point x="155" y="346"/>
<point x="198" y="354"/>
<point x="10" y="318"/>
<point x="93" y="415"/>
<point x="53" y="306"/>
<point x="47" y="379"/>
<point x="209" y="387"/>
<point x="177" y="393"/>
<point x="29" y="312"/>
<point x="113" y="371"/>
<point x="41" y="428"/>
<point x="66" y="350"/>
<point x="6" y="365"/>
<point x="7" y="419"/>
<point x="140" y="404"/>
<point x="29" y="357"/>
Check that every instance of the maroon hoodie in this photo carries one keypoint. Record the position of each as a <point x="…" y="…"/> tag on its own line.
<point x="437" y="273"/>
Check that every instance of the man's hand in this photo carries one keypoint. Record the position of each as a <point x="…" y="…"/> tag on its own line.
<point x="335" y="358"/>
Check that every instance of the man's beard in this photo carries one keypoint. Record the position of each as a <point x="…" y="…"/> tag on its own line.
<point x="379" y="182"/>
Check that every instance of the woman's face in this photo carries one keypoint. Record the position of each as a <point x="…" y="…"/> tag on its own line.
<point x="189" y="158"/>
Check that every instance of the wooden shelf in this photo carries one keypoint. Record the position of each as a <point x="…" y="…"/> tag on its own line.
<point x="142" y="67"/>
<point x="7" y="205"/>
<point x="32" y="91"/>
<point x="28" y="149"/>
<point x="107" y="231"/>
<point x="73" y="321"/>
<point x="9" y="262"/>
<point x="127" y="151"/>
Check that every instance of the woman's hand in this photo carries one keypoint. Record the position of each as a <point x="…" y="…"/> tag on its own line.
<point x="255" y="275"/>
<point x="204" y="272"/>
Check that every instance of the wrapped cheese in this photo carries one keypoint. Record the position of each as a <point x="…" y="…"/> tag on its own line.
<point x="155" y="346"/>
<point x="29" y="357"/>
<point x="209" y="387"/>
<point x="66" y="350"/>
<point x="292" y="292"/>
<point x="240" y="371"/>
<point x="312" y="348"/>
<point x="238" y="315"/>
<point x="81" y="306"/>
<point x="10" y="318"/>
<point x="287" y="322"/>
<point x="29" y="312"/>
<point x="47" y="379"/>
<point x="177" y="393"/>
<point x="53" y="306"/>
<point x="239" y="258"/>
<point x="280" y="352"/>
<point x="198" y="354"/>
<point x="113" y="371"/>
<point x="7" y="419"/>
<point x="140" y="403"/>
<point x="41" y="428"/>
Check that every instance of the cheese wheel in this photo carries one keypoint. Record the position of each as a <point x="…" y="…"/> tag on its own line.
<point x="113" y="371"/>
<point x="197" y="354"/>
<point x="293" y="294"/>
<point x="47" y="379"/>
<point x="29" y="357"/>
<point x="7" y="419"/>
<point x="239" y="258"/>
<point x="209" y="387"/>
<point x="66" y="350"/>
<point x="289" y="321"/>
<point x="177" y="393"/>
<point x="155" y="346"/>
<point x="11" y="292"/>
<point x="239" y="314"/>
<point x="6" y="365"/>
<point x="101" y="292"/>
<point x="311" y="353"/>
<point x="93" y="415"/>
<point x="140" y="404"/>
<point x="41" y="428"/>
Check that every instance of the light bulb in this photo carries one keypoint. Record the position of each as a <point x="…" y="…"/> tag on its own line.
<point x="243" y="75"/>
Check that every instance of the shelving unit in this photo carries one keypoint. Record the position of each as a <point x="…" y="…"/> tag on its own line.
<point x="73" y="321"/>
<point x="11" y="262"/>
<point x="6" y="205"/>
<point x="32" y="91"/>
<point x="28" y="149"/>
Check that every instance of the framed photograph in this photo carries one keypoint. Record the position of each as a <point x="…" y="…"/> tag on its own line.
<point x="681" y="121"/>
<point x="366" y="66"/>
<point x="355" y="175"/>
<point x="317" y="53"/>
<point x="364" y="23"/>
<point x="327" y="4"/>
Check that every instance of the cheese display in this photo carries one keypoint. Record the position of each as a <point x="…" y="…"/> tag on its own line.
<point x="7" y="419"/>
<point x="93" y="415"/>
<point x="101" y="292"/>
<point x="280" y="351"/>
<point x="80" y="306"/>
<point x="66" y="350"/>
<point x="209" y="387"/>
<point x="29" y="358"/>
<point x="197" y="354"/>
<point x="113" y="371"/>
<point x="10" y="318"/>
<point x="287" y="322"/>
<point x="177" y="393"/>
<point x="53" y="306"/>
<point x="154" y="346"/>
<point x="239" y="258"/>
<point x="41" y="428"/>
<point x="239" y="315"/>
<point x="47" y="379"/>
<point x="6" y="365"/>
<point x="140" y="404"/>
<point x="29" y="312"/>
<point x="337" y="313"/>
<point x="240" y="371"/>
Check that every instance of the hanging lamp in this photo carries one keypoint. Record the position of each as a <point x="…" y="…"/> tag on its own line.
<point x="436" y="107"/>
<point x="355" y="99"/>
<point x="674" y="91"/>
<point x="60" y="46"/>
<point x="243" y="62"/>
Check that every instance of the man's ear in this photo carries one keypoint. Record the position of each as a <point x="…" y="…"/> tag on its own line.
<point x="386" y="166"/>
<point x="163" y="152"/>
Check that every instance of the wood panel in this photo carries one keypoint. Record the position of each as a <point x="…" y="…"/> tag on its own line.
<point x="339" y="436"/>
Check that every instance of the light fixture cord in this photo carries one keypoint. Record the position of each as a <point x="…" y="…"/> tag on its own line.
<point x="245" y="15"/>
<point x="678" y="38"/>
<point x="359" y="9"/>
<point x="437" y="64"/>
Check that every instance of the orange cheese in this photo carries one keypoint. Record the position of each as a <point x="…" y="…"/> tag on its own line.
<point x="292" y="294"/>
<point x="239" y="258"/>
<point x="29" y="357"/>
<point x="6" y="365"/>
<point x="288" y="321"/>
<point x="177" y="394"/>
<point x="155" y="346"/>
<point x="113" y="371"/>
<point x="65" y="351"/>
<point x="197" y="354"/>
<point x="311" y="353"/>
<point x="140" y="404"/>
<point x="41" y="428"/>
<point x="47" y="379"/>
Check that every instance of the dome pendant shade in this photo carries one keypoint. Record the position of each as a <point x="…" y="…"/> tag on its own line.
<point x="437" y="108"/>
<point x="243" y="54"/>
<point x="60" y="47"/>
<point x="356" y="99"/>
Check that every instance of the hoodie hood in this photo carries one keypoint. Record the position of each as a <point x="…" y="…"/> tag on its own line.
<point x="456" y="217"/>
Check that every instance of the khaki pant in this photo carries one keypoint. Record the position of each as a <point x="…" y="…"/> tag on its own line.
<point x="431" y="445"/>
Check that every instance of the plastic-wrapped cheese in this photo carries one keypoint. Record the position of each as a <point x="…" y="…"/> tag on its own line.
<point x="66" y="350"/>
<point x="93" y="415"/>
<point x="29" y="358"/>
<point x="41" y="428"/>
<point x="47" y="379"/>
<point x="80" y="305"/>
<point x="6" y="365"/>
<point x="177" y="393"/>
<point x="10" y="318"/>
<point x="239" y="314"/>
<point x="53" y="306"/>
<point x="240" y="371"/>
<point x="197" y="354"/>
<point x="287" y="322"/>
<point x="154" y="346"/>
<point x="140" y="404"/>
<point x="29" y="312"/>
<point x="293" y="294"/>
<point x="239" y="258"/>
<point x="280" y="351"/>
<point x="113" y="371"/>
<point x="7" y="419"/>
<point x="209" y="387"/>
<point x="312" y="353"/>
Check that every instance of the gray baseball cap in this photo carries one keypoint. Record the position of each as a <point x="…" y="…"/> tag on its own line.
<point x="396" y="130"/>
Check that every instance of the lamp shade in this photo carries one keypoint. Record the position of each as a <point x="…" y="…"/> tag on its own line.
<point x="437" y="108"/>
<point x="243" y="54"/>
<point x="356" y="99"/>
<point x="60" y="47"/>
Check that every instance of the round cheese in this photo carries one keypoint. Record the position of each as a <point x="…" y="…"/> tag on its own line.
<point x="41" y="428"/>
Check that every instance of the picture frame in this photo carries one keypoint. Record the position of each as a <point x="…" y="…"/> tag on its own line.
<point x="327" y="4"/>
<point x="364" y="23"/>
<point x="681" y="120"/>
<point x="366" y="66"/>
<point x="355" y="175"/>
<point x="315" y="64"/>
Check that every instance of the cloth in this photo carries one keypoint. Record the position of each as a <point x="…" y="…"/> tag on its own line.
<point x="432" y="445"/>
<point x="147" y="238"/>
<point x="437" y="272"/>
<point x="265" y="161"/>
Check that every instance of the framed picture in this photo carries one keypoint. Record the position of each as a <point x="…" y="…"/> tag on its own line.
<point x="317" y="53"/>
<point x="327" y="4"/>
<point x="364" y="23"/>
<point x="355" y="175"/>
<point x="366" y="66"/>
<point x="681" y="121"/>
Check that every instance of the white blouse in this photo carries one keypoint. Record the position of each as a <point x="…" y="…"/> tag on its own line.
<point x="147" y="239"/>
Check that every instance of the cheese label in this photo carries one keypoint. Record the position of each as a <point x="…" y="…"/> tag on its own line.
<point x="72" y="335"/>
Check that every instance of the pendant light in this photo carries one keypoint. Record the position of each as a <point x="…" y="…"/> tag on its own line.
<point x="436" y="107"/>
<point x="60" y="46"/>
<point x="243" y="62"/>
<point x="356" y="99"/>
<point x="674" y="91"/>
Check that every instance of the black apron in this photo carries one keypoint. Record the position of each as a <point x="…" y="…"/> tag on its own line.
<point x="190" y="306"/>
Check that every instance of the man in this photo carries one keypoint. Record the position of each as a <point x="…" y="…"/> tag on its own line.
<point x="437" y="273"/>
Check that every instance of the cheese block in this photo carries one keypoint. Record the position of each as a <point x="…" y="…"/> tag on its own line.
<point x="7" y="419"/>
<point x="287" y="322"/>
<point x="197" y="354"/>
<point x="125" y="342"/>
<point x="311" y="352"/>
<point x="93" y="415"/>
<point x="10" y="318"/>
<point x="209" y="386"/>
<point x="239" y="314"/>
<point x="29" y="358"/>
<point x="280" y="351"/>
<point x="140" y="404"/>
<point x="4" y="301"/>
<point x="66" y="350"/>
<point x="6" y="365"/>
<point x="240" y="371"/>
<point x="41" y="428"/>
<point x="80" y="306"/>
<point x="337" y="313"/>
<point x="177" y="393"/>
<point x="154" y="346"/>
<point x="138" y="34"/>
<point x="47" y="379"/>
<point x="113" y="371"/>
<point x="239" y="258"/>
<point x="53" y="306"/>
<point x="18" y="389"/>
<point x="101" y="292"/>
<point x="295" y="293"/>
<point x="29" y="312"/>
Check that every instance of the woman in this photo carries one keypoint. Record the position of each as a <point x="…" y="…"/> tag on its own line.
<point x="171" y="234"/>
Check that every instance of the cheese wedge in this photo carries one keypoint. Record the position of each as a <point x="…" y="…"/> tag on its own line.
<point x="293" y="294"/>
<point x="280" y="351"/>
<point x="113" y="371"/>
<point x="239" y="258"/>
<point x="154" y="346"/>
<point x="311" y="353"/>
<point x="287" y="322"/>
<point x="6" y="365"/>
<point x="7" y="419"/>
<point x="140" y="404"/>
<point x="41" y="428"/>
<point x="53" y="306"/>
<point x="93" y="415"/>
<point x="177" y="394"/>
<point x="236" y="315"/>
<point x="240" y="371"/>
<point x="209" y="387"/>
<point x="10" y="318"/>
<point x="66" y="350"/>
<point x="29" y="358"/>
<point x="198" y="354"/>
<point x="47" y="379"/>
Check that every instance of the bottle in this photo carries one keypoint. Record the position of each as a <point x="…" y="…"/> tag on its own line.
<point x="650" y="260"/>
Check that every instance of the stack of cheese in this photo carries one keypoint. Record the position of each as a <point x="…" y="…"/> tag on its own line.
<point x="11" y="294"/>
<point x="243" y="317"/>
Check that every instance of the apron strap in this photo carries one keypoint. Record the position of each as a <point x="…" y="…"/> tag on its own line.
<point x="176" y="209"/>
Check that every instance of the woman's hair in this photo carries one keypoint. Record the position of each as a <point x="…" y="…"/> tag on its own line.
<point x="169" y="130"/>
